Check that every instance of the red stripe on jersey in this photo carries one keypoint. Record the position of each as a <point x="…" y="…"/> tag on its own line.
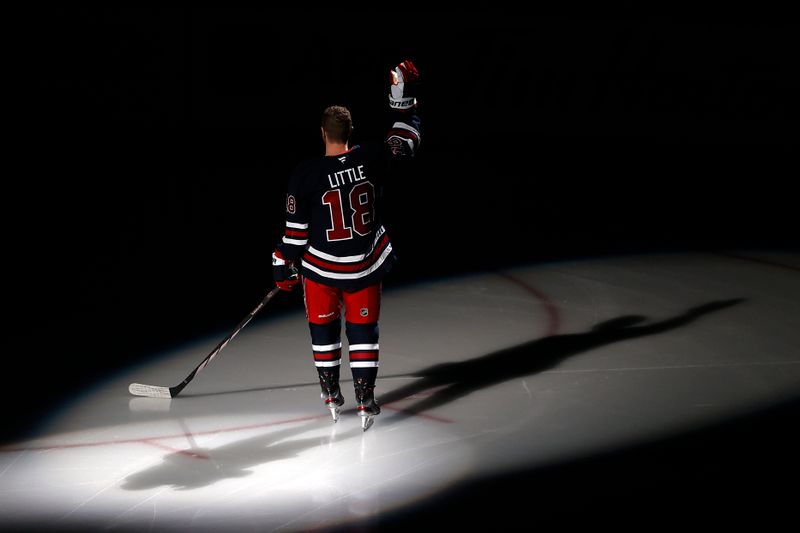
<point x="296" y="233"/>
<point x="364" y="356"/>
<point x="354" y="267"/>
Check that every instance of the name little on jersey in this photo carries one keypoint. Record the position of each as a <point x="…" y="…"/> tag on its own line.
<point x="348" y="175"/>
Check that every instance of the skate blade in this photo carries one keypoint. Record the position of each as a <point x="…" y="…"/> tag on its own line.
<point x="366" y="422"/>
<point x="334" y="413"/>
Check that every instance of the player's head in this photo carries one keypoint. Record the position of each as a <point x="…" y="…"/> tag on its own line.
<point x="337" y="124"/>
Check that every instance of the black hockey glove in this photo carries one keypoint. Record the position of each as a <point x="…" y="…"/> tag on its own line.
<point x="284" y="273"/>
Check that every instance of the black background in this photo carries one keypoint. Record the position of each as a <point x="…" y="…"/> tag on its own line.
<point x="153" y="147"/>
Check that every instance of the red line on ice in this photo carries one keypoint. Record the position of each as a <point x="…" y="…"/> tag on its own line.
<point x="553" y="316"/>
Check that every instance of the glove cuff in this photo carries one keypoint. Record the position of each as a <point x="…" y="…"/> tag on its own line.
<point x="282" y="269"/>
<point x="402" y="103"/>
<point x="284" y="273"/>
<point x="277" y="258"/>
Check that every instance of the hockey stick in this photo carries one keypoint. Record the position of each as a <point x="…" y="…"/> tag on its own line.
<point x="153" y="391"/>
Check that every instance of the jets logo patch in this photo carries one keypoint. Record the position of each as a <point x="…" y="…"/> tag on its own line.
<point x="395" y="145"/>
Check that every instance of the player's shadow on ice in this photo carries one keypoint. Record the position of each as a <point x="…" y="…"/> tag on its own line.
<point x="451" y="381"/>
<point x="196" y="467"/>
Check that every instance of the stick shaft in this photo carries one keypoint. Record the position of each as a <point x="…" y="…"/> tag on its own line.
<point x="145" y="390"/>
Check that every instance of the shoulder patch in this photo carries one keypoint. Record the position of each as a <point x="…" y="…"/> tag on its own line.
<point x="291" y="205"/>
<point x="396" y="145"/>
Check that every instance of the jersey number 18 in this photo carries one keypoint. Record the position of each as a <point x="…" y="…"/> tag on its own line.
<point x="362" y="205"/>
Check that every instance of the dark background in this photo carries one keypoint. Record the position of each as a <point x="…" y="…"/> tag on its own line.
<point x="153" y="148"/>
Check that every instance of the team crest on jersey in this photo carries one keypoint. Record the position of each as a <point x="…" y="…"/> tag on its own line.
<point x="290" y="205"/>
<point x="395" y="145"/>
<point x="364" y="311"/>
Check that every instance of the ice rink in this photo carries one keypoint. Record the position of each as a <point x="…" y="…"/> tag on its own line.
<point x="480" y="375"/>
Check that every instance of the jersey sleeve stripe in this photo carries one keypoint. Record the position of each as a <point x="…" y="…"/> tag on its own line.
<point x="296" y="225"/>
<point x="403" y="126"/>
<point x="296" y="242"/>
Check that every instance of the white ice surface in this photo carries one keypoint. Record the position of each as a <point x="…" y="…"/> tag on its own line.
<point x="249" y="446"/>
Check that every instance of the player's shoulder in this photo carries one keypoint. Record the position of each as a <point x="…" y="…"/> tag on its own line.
<point x="307" y="165"/>
<point x="369" y="150"/>
<point x="306" y="169"/>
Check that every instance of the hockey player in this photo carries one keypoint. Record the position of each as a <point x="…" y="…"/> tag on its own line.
<point x="336" y="245"/>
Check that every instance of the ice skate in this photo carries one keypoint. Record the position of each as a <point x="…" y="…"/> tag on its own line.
<point x="333" y="402"/>
<point x="331" y="393"/>
<point x="367" y="406"/>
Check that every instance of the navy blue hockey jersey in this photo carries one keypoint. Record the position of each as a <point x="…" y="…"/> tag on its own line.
<point x="333" y="224"/>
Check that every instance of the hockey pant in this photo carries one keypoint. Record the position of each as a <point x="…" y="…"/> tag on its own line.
<point x="361" y="310"/>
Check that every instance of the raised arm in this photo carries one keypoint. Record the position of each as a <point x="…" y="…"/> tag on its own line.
<point x="404" y="136"/>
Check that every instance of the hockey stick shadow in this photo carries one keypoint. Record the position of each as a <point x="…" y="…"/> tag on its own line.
<point x="455" y="380"/>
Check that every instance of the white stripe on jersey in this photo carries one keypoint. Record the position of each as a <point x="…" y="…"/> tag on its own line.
<point x="327" y="364"/>
<point x="351" y="275"/>
<point x="404" y="126"/>
<point x="337" y="259"/>
<point x="295" y="225"/>
<point x="326" y="347"/>
<point x="348" y="258"/>
<point x="364" y="364"/>
<point x="297" y="242"/>
<point x="356" y="347"/>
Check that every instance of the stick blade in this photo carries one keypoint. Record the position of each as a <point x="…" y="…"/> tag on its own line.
<point x="150" y="391"/>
